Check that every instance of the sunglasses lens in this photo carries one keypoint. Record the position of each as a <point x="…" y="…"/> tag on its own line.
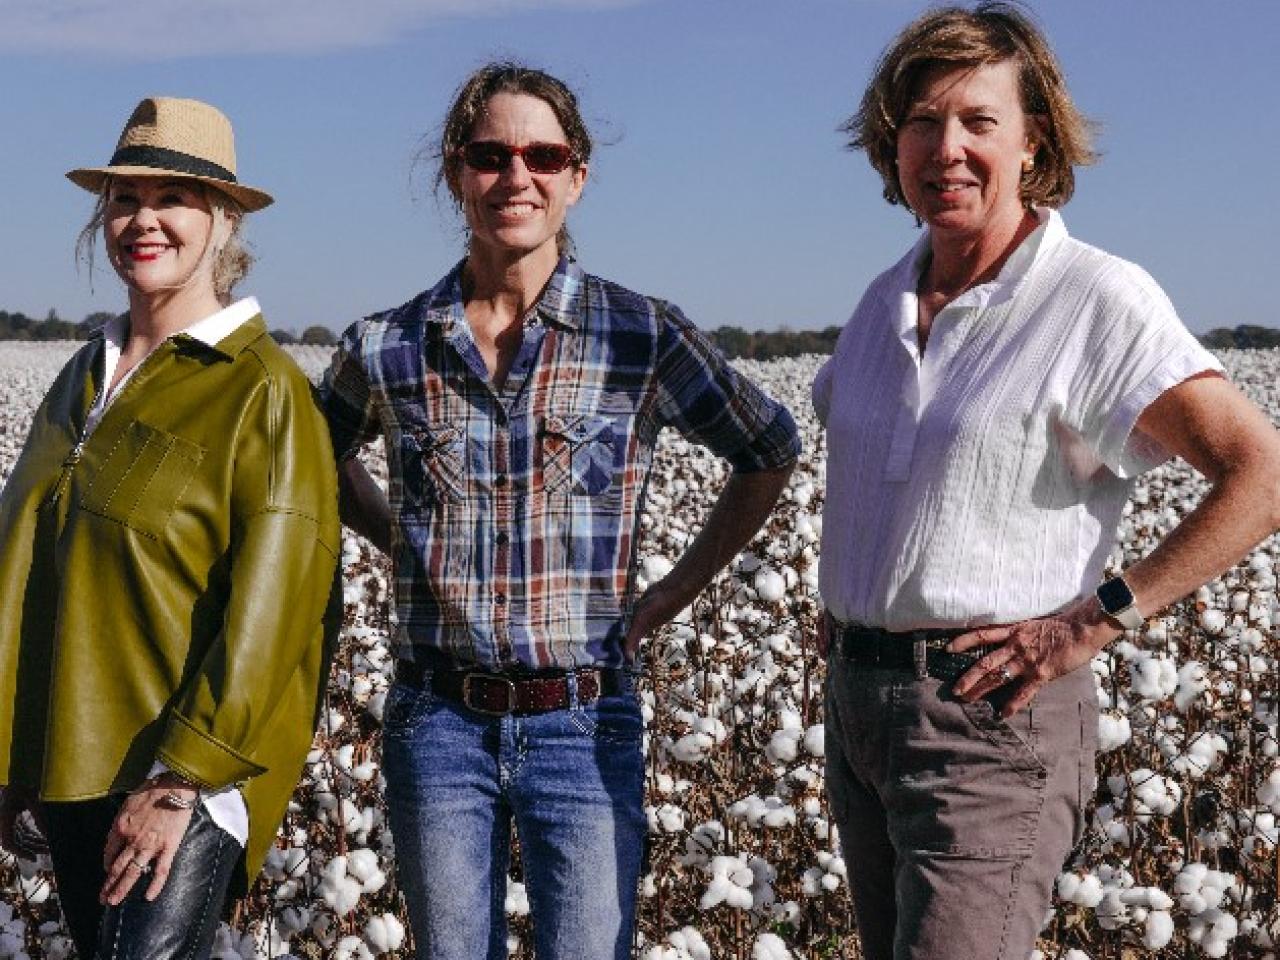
<point x="487" y="156"/>
<point x="546" y="157"/>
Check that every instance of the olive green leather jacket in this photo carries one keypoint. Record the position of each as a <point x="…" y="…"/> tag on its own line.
<point x="167" y="586"/>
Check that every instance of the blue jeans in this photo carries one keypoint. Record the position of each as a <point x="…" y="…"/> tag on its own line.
<point x="572" y="780"/>
<point x="178" y="925"/>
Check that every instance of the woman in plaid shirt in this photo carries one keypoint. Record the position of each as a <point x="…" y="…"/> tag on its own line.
<point x="520" y="399"/>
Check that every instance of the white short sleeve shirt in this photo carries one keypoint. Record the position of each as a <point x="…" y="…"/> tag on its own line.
<point x="983" y="481"/>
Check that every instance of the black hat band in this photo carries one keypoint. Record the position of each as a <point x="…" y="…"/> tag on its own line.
<point x="164" y="159"/>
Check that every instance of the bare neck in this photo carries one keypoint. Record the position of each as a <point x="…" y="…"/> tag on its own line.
<point x="497" y="293"/>
<point x="958" y="263"/>
<point x="500" y="290"/>
<point x="154" y="317"/>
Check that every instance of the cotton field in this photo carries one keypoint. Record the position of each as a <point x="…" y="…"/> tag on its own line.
<point x="1181" y="857"/>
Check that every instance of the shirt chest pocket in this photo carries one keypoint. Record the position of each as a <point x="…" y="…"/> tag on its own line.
<point x="578" y="454"/>
<point x="440" y="454"/>
<point x="142" y="478"/>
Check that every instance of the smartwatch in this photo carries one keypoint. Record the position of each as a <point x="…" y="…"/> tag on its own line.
<point x="1116" y="600"/>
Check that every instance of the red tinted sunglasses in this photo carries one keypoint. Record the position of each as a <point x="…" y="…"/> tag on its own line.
<point x="490" y="156"/>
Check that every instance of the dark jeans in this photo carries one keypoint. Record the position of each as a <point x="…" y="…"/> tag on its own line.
<point x="180" y="923"/>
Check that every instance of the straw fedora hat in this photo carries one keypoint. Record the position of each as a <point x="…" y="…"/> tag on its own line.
<point x="167" y="135"/>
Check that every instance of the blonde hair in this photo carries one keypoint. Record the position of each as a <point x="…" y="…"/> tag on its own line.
<point x="231" y="262"/>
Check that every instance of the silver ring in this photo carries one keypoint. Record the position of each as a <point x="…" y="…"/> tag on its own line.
<point x="1004" y="672"/>
<point x="140" y="864"/>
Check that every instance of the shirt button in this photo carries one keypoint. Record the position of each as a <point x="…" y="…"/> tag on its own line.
<point x="500" y="598"/>
<point x="500" y="480"/>
<point x="503" y="538"/>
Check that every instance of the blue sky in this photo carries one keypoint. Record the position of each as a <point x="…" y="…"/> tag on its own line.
<point x="722" y="183"/>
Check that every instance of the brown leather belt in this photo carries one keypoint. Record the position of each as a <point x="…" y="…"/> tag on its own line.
<point x="499" y="694"/>
<point x="919" y="651"/>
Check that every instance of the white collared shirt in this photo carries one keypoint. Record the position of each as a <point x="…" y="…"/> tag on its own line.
<point x="226" y="807"/>
<point x="983" y="481"/>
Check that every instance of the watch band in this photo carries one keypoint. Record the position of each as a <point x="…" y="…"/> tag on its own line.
<point x="1117" y="602"/>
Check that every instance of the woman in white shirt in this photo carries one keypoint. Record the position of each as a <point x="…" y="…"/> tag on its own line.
<point x="987" y="407"/>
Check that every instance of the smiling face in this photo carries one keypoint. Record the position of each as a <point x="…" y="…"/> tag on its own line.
<point x="158" y="233"/>
<point x="961" y="149"/>
<point x="513" y="212"/>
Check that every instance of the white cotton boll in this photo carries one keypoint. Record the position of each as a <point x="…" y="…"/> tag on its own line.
<point x="1089" y="892"/>
<point x="1158" y="930"/>
<point x="1111" y="912"/>
<point x="1212" y="620"/>
<point x="1240" y="601"/>
<point x="362" y="863"/>
<point x="384" y="932"/>
<point x="691" y="943"/>
<point x="769" y="946"/>
<point x="1153" y="678"/>
<point x="815" y="741"/>
<point x="516" y="902"/>
<point x="1151" y="897"/>
<point x="1192" y="681"/>
<point x="352" y="948"/>
<point x="691" y="748"/>
<point x="1113" y="731"/>
<point x="1074" y="954"/>
<point x="770" y="586"/>
<point x="670" y="817"/>
<point x="653" y="568"/>
<point x="783" y="746"/>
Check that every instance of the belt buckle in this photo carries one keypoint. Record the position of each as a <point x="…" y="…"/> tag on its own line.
<point x="488" y="678"/>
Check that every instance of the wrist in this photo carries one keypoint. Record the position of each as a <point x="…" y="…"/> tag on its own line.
<point x="178" y="793"/>
<point x="1117" y="603"/>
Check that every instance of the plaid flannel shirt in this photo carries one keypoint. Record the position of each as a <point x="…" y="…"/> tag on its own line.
<point x="516" y="512"/>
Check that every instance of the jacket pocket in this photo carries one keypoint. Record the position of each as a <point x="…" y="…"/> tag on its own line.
<point x="142" y="478"/>
<point x="578" y="454"/>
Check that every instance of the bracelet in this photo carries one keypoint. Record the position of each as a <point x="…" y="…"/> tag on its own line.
<point x="174" y="801"/>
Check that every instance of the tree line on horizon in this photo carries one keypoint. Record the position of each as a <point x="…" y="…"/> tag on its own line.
<point x="736" y="342"/>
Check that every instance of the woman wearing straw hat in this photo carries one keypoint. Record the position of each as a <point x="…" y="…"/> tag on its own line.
<point x="168" y="542"/>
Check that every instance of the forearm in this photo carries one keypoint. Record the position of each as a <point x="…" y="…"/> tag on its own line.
<point x="362" y="505"/>
<point x="1238" y="513"/>
<point x="744" y="505"/>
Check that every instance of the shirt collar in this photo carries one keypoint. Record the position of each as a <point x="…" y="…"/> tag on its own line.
<point x="563" y="300"/>
<point x="1037" y="245"/>
<point x="211" y="331"/>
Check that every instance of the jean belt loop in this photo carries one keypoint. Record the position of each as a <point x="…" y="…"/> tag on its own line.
<point x="571" y="688"/>
<point x="920" y="656"/>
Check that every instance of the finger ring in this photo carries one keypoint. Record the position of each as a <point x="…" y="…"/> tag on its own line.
<point x="140" y="864"/>
<point x="1004" y="672"/>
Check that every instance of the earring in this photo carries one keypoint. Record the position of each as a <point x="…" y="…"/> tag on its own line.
<point x="1028" y="164"/>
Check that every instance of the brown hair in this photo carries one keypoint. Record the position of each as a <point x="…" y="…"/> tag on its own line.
<point x="992" y="32"/>
<point x="470" y="101"/>
<point x="232" y="261"/>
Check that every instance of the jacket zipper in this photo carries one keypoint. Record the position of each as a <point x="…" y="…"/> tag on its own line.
<point x="78" y="449"/>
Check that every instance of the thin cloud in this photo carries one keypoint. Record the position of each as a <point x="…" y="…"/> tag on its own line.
<point x="182" y="28"/>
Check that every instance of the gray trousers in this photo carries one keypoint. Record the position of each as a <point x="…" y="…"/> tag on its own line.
<point x="954" y="823"/>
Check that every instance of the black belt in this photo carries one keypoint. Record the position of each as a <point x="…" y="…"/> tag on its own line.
<point x="920" y="652"/>
<point x="498" y="694"/>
